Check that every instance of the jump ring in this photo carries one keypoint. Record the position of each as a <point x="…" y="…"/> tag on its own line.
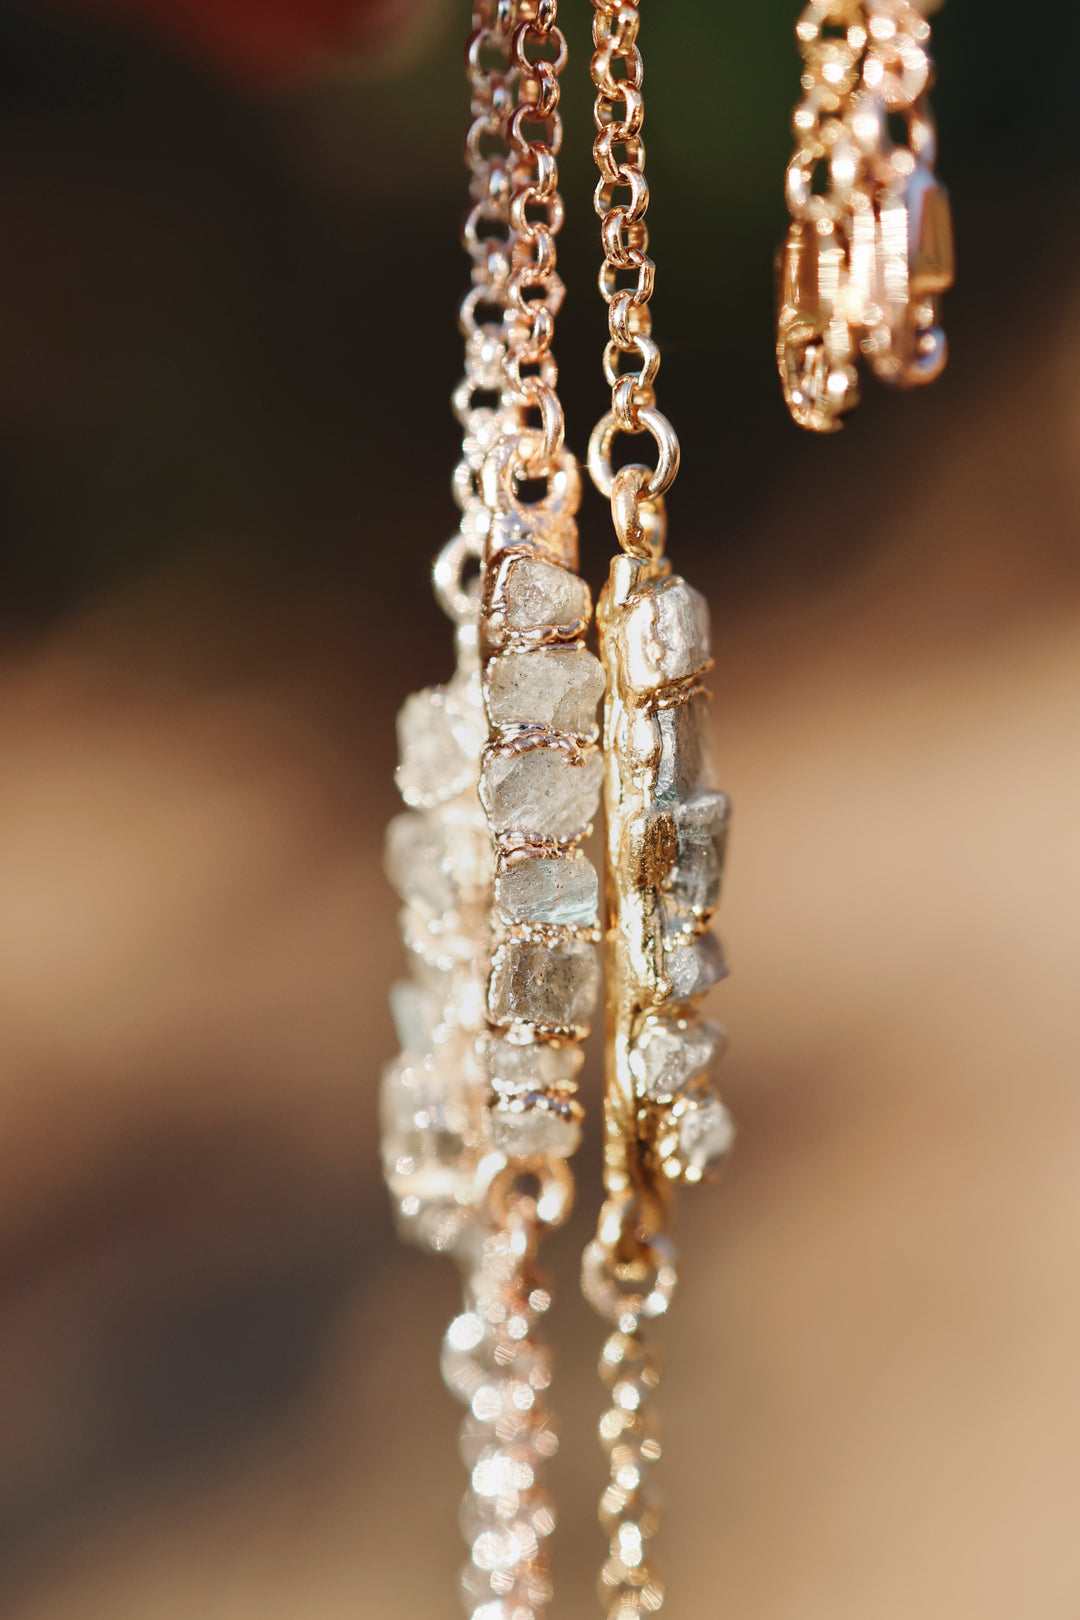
<point x="667" y="448"/>
<point x="460" y="603"/>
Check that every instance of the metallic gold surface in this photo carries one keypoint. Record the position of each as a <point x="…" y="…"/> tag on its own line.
<point x="654" y="648"/>
<point x="869" y="250"/>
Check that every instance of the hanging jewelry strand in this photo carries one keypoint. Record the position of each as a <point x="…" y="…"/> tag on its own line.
<point x="539" y="786"/>
<point x="454" y="1163"/>
<point x="666" y="830"/>
<point x="868" y="255"/>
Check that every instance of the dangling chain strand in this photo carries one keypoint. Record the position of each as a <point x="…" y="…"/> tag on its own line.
<point x="536" y="216"/>
<point x="637" y="501"/>
<point x="665" y="830"/>
<point x="539" y="785"/>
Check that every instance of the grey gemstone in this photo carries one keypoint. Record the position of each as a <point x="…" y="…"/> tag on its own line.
<point x="668" y="1054"/>
<point x="417" y="1014"/>
<point x="416" y="860"/>
<point x="706" y="1133"/>
<point x="557" y="687"/>
<point x="685" y="766"/>
<point x="528" y="1127"/>
<point x="550" y="986"/>
<point x="694" y="966"/>
<point x="537" y="1067"/>
<point x="440" y="737"/>
<point x="541" y="596"/>
<point x="542" y="792"/>
<point x="426" y="1112"/>
<point x="557" y="891"/>
<point x="666" y="635"/>
<point x="692" y="888"/>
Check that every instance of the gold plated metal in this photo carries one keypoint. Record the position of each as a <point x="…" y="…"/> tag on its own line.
<point x="869" y="250"/>
<point x="501" y="772"/>
<point x="666" y="828"/>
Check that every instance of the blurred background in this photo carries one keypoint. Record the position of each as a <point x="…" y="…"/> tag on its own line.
<point x="227" y="341"/>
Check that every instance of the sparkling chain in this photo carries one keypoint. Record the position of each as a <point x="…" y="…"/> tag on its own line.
<point x="869" y="251"/>
<point x="629" y="1508"/>
<point x="493" y="1357"/>
<point x="663" y="1121"/>
<point x="483" y="401"/>
<point x="534" y="133"/>
<point x="493" y="1361"/>
<point x="626" y="283"/>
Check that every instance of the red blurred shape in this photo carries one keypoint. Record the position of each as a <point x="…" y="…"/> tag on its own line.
<point x="263" y="40"/>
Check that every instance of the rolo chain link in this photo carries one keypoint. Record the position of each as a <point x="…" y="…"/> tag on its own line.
<point x="631" y="358"/>
<point x="629" y="1272"/>
<point x="534" y="135"/>
<point x="494" y="1359"/>
<point x="483" y="401"/>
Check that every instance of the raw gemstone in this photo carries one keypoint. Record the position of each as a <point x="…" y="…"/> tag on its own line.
<point x="932" y="261"/>
<point x="542" y="792"/>
<point x="418" y="1014"/>
<point x="542" y="596"/>
<point x="441" y="859"/>
<point x="559" y="891"/>
<point x="692" y="888"/>
<point x="537" y="1067"/>
<point x="551" y="986"/>
<point x="706" y="1132"/>
<point x="416" y="861"/>
<point x="667" y="1054"/>
<point x="693" y="967"/>
<point x="436" y="1001"/>
<point x="549" y="686"/>
<point x="439" y="944"/>
<point x="685" y="766"/>
<point x="440" y="736"/>
<point x="427" y="1114"/>
<point x="537" y="1125"/>
<point x="667" y="635"/>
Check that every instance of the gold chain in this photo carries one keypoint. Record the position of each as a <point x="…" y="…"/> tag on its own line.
<point x="534" y="134"/>
<point x="630" y="1243"/>
<point x="631" y="359"/>
<point x="869" y="250"/>
<point x="493" y="1358"/>
<point x="482" y="401"/>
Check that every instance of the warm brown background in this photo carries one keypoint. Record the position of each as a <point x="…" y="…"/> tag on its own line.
<point x="226" y="342"/>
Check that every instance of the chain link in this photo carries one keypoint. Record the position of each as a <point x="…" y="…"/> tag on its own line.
<point x="483" y="401"/>
<point x="534" y="135"/>
<point x="631" y="358"/>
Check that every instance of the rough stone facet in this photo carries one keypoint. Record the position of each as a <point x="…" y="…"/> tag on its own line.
<point x="692" y="888"/>
<point x="666" y="635"/>
<point x="416" y="861"/>
<point x="427" y="1112"/>
<point x="550" y="986"/>
<point x="557" y="891"/>
<point x="668" y="1054"/>
<point x="541" y="596"/>
<point x="417" y="1014"/>
<point x="437" y="944"/>
<point x="537" y="1067"/>
<point x="694" y="966"/>
<point x="557" y="687"/>
<point x="542" y="792"/>
<point x="440" y="736"/>
<point x="706" y="1133"/>
<point x="537" y="1125"/>
<point x="685" y="766"/>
